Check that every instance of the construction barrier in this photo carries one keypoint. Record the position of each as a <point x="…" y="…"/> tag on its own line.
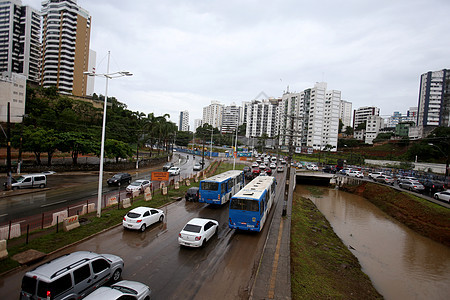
<point x="88" y="208"/>
<point x="177" y="185"/>
<point x="164" y="190"/>
<point x="148" y="195"/>
<point x="71" y="223"/>
<point x="112" y="201"/>
<point x="135" y="193"/>
<point x="196" y="179"/>
<point x="3" y="251"/>
<point x="15" y="231"/>
<point x="188" y="182"/>
<point x="60" y="215"/>
<point x="126" y="203"/>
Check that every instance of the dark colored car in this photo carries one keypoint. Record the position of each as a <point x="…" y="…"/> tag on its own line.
<point x="192" y="194"/>
<point x="246" y="169"/>
<point x="268" y="171"/>
<point x="433" y="186"/>
<point x="256" y="172"/>
<point x="329" y="169"/>
<point x="119" y="178"/>
<point x="167" y="166"/>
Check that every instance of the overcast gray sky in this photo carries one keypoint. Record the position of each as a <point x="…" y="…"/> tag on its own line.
<point x="185" y="53"/>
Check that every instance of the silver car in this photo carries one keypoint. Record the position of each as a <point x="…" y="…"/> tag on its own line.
<point x="124" y="289"/>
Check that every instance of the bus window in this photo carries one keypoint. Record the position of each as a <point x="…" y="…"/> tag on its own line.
<point x="224" y="188"/>
<point x="244" y="204"/>
<point x="210" y="186"/>
<point x="262" y="208"/>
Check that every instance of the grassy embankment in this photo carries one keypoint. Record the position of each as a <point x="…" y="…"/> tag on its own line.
<point x="48" y="240"/>
<point x="423" y="216"/>
<point x="321" y="265"/>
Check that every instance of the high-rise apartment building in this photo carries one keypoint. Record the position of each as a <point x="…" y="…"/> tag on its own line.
<point x="231" y="118"/>
<point x="261" y="118"/>
<point x="20" y="39"/>
<point x="345" y="113"/>
<point x="197" y="123"/>
<point x="373" y="126"/>
<point x="212" y="114"/>
<point x="12" y="89"/>
<point x="314" y="114"/>
<point x="411" y="115"/>
<point x="434" y="99"/>
<point x="65" y="46"/>
<point x="361" y="114"/>
<point x="183" y="124"/>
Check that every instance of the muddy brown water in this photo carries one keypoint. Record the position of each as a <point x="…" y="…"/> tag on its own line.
<point x="401" y="263"/>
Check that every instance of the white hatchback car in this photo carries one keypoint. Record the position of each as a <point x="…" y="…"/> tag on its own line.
<point x="140" y="218"/>
<point x="197" y="232"/>
<point x="174" y="171"/>
<point x="140" y="185"/>
<point x="124" y="289"/>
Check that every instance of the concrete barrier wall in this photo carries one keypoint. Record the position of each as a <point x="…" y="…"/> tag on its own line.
<point x="3" y="251"/>
<point x="164" y="191"/>
<point x="70" y="223"/>
<point x="88" y="208"/>
<point x="177" y="185"/>
<point x="188" y="182"/>
<point x="112" y="201"/>
<point x="148" y="196"/>
<point x="60" y="215"/>
<point x="15" y="231"/>
<point x="126" y="203"/>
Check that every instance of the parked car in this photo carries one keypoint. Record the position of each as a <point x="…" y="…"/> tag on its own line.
<point x="174" y="171"/>
<point x="384" y="179"/>
<point x="445" y="195"/>
<point x="411" y="185"/>
<point x="71" y="276"/>
<point x="372" y="175"/>
<point x="29" y="181"/>
<point x="246" y="169"/>
<point x="197" y="232"/>
<point x="197" y="167"/>
<point x="433" y="186"/>
<point x="280" y="169"/>
<point x="192" y="194"/>
<point x="119" y="179"/>
<point x="138" y="185"/>
<point x="262" y="166"/>
<point x="122" y="290"/>
<point x="273" y="165"/>
<point x="167" y="166"/>
<point x="141" y="217"/>
<point x="329" y="169"/>
<point x="354" y="173"/>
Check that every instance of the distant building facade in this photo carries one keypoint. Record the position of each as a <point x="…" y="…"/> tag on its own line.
<point x="361" y="114"/>
<point x="197" y="123"/>
<point x="231" y="118"/>
<point x="183" y="124"/>
<point x="261" y="118"/>
<point x="13" y="90"/>
<point x="212" y="114"/>
<point x="373" y="126"/>
<point x="345" y="113"/>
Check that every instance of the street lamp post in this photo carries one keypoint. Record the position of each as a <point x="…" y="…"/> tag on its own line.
<point x="235" y="149"/>
<point x="210" y="152"/>
<point x="107" y="76"/>
<point x="446" y="158"/>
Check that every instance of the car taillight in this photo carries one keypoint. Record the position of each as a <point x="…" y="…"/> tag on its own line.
<point x="198" y="238"/>
<point x="124" y="219"/>
<point x="229" y="220"/>
<point x="179" y="234"/>
<point x="138" y="221"/>
<point x="218" y="197"/>
<point x="48" y="295"/>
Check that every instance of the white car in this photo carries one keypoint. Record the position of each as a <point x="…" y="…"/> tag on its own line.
<point x="262" y="166"/>
<point x="124" y="289"/>
<point x="197" y="167"/>
<point x="375" y="174"/>
<point x="138" y="185"/>
<point x="255" y="165"/>
<point x="140" y="218"/>
<point x="445" y="195"/>
<point x="197" y="232"/>
<point x="273" y="165"/>
<point x="174" y="171"/>
<point x="280" y="169"/>
<point x="354" y="173"/>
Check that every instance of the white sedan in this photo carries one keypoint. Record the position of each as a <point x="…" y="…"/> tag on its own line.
<point x="273" y="165"/>
<point x="140" y="218"/>
<point x="445" y="195"/>
<point x="174" y="171"/>
<point x="124" y="289"/>
<point x="197" y="232"/>
<point x="255" y="165"/>
<point x="138" y="185"/>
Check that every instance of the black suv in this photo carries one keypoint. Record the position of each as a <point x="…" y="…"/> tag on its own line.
<point x="432" y="186"/>
<point x="192" y="194"/>
<point x="119" y="178"/>
<point x="167" y="166"/>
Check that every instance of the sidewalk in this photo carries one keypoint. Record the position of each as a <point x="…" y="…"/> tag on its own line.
<point x="273" y="278"/>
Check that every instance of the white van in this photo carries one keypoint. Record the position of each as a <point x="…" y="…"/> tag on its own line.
<point x="29" y="181"/>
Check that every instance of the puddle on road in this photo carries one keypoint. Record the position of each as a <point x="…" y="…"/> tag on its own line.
<point x="401" y="263"/>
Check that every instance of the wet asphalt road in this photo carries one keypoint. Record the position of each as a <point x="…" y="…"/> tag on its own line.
<point x="224" y="269"/>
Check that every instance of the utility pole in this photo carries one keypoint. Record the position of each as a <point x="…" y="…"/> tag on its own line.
<point x="287" y="186"/>
<point x="8" y="148"/>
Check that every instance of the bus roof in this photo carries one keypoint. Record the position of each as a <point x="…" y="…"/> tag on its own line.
<point x="255" y="188"/>
<point x="225" y="175"/>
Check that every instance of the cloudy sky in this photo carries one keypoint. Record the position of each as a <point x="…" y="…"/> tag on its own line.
<point x="185" y="53"/>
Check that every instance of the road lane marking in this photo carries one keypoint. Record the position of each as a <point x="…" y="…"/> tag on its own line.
<point x="50" y="204"/>
<point x="273" y="276"/>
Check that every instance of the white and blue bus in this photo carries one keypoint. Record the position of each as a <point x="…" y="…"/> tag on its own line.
<point x="249" y="208"/>
<point x="218" y="189"/>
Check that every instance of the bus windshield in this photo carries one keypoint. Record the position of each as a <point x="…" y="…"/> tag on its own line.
<point x="244" y="204"/>
<point x="210" y="186"/>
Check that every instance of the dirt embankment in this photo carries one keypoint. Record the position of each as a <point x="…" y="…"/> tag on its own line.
<point x="422" y="216"/>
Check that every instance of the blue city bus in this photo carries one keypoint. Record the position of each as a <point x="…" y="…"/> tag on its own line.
<point x="250" y="207"/>
<point x="218" y="189"/>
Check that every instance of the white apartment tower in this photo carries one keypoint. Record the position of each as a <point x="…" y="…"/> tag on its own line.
<point x="345" y="112"/>
<point x="314" y="114"/>
<point x="12" y="90"/>
<point x="197" y="123"/>
<point x="212" y="114"/>
<point x="231" y="118"/>
<point x="373" y="126"/>
<point x="65" y="46"/>
<point x="183" y="124"/>
<point x="261" y="118"/>
<point x="361" y="114"/>
<point x="19" y="42"/>
<point x="434" y="99"/>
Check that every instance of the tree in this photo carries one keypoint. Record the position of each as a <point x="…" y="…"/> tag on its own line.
<point x="383" y="136"/>
<point x="361" y="126"/>
<point x="341" y="125"/>
<point x="183" y="138"/>
<point x="348" y="130"/>
<point x="117" y="149"/>
<point x="77" y="143"/>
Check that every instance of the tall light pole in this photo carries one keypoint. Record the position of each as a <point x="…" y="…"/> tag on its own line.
<point x="107" y="76"/>
<point x="446" y="158"/>
<point x="235" y="149"/>
<point x="210" y="152"/>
